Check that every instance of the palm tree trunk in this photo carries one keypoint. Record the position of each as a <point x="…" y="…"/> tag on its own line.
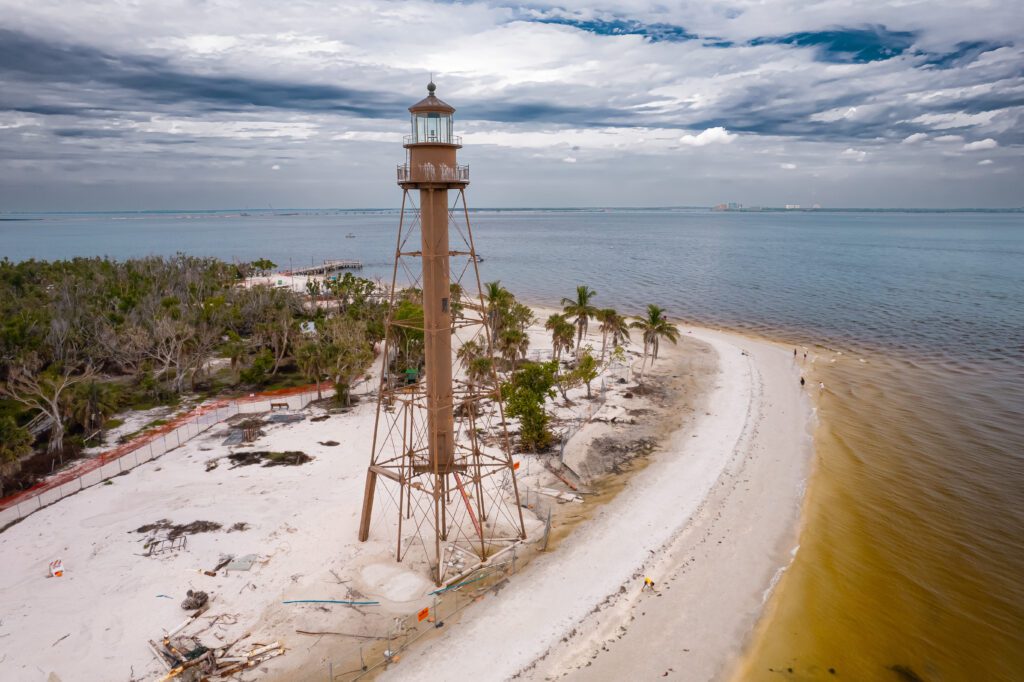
<point x="643" y="364"/>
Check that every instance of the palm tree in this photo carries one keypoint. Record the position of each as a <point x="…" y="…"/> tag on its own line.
<point x="582" y="309"/>
<point x="455" y="305"/>
<point x="612" y="324"/>
<point x="467" y="355"/>
<point x="513" y="344"/>
<point x="497" y="299"/>
<point x="480" y="370"/>
<point x="654" y="327"/>
<point x="468" y="351"/>
<point x="618" y="327"/>
<point x="561" y="333"/>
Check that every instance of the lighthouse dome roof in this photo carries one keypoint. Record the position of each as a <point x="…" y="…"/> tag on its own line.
<point x="431" y="103"/>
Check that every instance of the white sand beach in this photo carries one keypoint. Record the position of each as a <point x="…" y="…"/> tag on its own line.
<point x="711" y="519"/>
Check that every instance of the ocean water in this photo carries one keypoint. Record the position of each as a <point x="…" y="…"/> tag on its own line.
<point x="911" y="557"/>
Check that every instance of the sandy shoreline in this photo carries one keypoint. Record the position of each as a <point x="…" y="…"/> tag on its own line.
<point x="711" y="517"/>
<point x="712" y="520"/>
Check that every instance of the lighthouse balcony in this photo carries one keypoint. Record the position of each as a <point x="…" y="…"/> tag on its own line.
<point x="432" y="137"/>
<point x="431" y="173"/>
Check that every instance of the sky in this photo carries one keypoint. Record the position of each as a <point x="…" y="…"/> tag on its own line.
<point x="189" y="104"/>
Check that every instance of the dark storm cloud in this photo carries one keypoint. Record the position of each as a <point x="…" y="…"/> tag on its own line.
<point x="964" y="54"/>
<point x="767" y="109"/>
<point x="526" y="112"/>
<point x="87" y="133"/>
<point x="25" y="57"/>
<point x="28" y="59"/>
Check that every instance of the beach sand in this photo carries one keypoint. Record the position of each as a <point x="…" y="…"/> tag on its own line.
<point x="710" y="516"/>
<point x="711" y="519"/>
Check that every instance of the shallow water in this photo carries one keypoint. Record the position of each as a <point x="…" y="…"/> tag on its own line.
<point x="912" y="549"/>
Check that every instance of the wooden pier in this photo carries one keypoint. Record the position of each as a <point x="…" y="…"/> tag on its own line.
<point x="327" y="267"/>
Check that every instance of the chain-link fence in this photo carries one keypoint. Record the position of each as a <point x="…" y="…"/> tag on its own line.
<point x="146" y="447"/>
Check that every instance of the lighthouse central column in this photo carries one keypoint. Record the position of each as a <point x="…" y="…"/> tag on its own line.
<point x="437" y="327"/>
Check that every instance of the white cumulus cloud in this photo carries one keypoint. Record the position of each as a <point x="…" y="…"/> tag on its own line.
<point x="787" y="166"/>
<point x="987" y="143"/>
<point x="915" y="138"/>
<point x="855" y="154"/>
<point x="708" y="136"/>
<point x="985" y="162"/>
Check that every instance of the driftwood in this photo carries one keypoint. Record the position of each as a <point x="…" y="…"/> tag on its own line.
<point x="159" y="656"/>
<point x="202" y="609"/>
<point x="254" y="659"/>
<point x="188" y="664"/>
<point x="342" y="634"/>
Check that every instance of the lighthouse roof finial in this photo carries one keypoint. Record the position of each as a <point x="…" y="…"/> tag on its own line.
<point x="431" y="103"/>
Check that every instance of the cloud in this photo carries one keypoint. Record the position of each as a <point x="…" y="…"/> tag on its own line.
<point x="787" y="166"/>
<point x="716" y="135"/>
<point x="26" y="57"/>
<point x="656" y="32"/>
<point x="569" y="159"/>
<point x="964" y="53"/>
<point x="275" y="167"/>
<point x="987" y="143"/>
<point x="153" y="97"/>
<point x="848" y="45"/>
<point x="985" y="162"/>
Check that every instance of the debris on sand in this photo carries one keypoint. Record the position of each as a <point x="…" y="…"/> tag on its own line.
<point x="176" y="530"/>
<point x="194" y="600"/>
<point x="269" y="459"/>
<point x="329" y="443"/>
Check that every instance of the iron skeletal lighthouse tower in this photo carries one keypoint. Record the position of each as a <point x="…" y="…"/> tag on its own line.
<point x="441" y="475"/>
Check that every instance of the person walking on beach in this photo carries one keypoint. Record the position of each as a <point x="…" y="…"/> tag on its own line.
<point x="648" y="583"/>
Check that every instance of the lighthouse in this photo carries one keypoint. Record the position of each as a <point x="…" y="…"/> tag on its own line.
<point x="441" y="461"/>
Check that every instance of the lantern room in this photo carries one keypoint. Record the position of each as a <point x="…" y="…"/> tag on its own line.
<point x="432" y="121"/>
<point x="431" y="148"/>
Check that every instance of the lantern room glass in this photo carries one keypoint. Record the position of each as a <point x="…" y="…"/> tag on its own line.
<point x="432" y="127"/>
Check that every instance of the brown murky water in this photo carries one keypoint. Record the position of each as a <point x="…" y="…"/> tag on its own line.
<point x="911" y="557"/>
